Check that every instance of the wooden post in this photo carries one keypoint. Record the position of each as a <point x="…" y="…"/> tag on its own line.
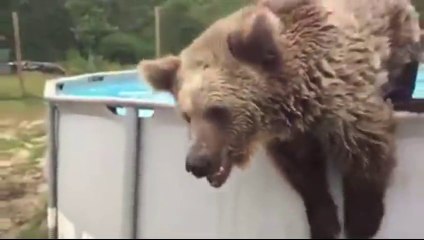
<point x="18" y="51"/>
<point x="157" y="31"/>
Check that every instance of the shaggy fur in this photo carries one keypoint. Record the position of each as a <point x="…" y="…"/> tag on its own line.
<point x="303" y="78"/>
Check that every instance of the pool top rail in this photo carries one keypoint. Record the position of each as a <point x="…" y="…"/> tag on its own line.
<point x="52" y="93"/>
<point x="53" y="88"/>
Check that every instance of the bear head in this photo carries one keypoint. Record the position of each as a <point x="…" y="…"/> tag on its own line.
<point x="224" y="83"/>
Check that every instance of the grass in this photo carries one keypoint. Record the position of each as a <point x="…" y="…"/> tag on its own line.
<point x="7" y="144"/>
<point x="15" y="108"/>
<point x="35" y="229"/>
<point x="33" y="84"/>
<point x="37" y="152"/>
<point x="18" y="188"/>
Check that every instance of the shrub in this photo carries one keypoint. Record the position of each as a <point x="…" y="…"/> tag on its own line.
<point x="121" y="47"/>
<point x="76" y="64"/>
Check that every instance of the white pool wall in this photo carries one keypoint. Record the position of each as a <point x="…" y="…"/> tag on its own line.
<point x="94" y="150"/>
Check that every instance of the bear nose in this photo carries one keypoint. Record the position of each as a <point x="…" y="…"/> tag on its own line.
<point x="199" y="165"/>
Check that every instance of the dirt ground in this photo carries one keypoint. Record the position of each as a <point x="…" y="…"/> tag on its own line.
<point x="22" y="184"/>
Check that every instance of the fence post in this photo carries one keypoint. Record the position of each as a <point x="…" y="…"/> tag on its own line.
<point x="18" y="52"/>
<point x="157" y="31"/>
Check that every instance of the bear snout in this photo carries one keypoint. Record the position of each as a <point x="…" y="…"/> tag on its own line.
<point x="199" y="164"/>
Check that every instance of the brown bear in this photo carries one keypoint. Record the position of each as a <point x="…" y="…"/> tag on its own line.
<point x="304" y="79"/>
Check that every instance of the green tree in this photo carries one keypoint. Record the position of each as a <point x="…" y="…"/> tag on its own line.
<point x="137" y="18"/>
<point x="44" y="28"/>
<point x="184" y="20"/>
<point x="178" y="28"/>
<point x="90" y="23"/>
<point x="120" y="47"/>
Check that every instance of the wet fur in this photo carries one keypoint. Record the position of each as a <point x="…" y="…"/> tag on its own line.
<point x="309" y="89"/>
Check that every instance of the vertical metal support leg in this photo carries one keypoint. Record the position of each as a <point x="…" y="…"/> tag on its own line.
<point x="52" y="219"/>
<point x="131" y="183"/>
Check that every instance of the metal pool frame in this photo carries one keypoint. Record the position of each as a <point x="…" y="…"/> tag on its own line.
<point x="133" y="129"/>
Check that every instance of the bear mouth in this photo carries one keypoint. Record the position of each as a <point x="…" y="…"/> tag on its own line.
<point x="219" y="177"/>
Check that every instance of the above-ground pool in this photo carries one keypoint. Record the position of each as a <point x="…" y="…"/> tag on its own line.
<point x="130" y="87"/>
<point x="116" y="169"/>
<point x="419" y="84"/>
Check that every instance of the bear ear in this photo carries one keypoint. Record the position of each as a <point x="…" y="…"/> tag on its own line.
<point x="160" y="73"/>
<point x="255" y="42"/>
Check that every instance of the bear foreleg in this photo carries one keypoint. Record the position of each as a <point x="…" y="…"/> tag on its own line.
<point x="364" y="190"/>
<point x="302" y="162"/>
<point x="366" y="177"/>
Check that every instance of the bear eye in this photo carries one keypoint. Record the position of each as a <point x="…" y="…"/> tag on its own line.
<point x="202" y="64"/>
<point x="218" y="114"/>
<point x="186" y="117"/>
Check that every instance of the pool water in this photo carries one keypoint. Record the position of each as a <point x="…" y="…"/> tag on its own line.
<point x="122" y="87"/>
<point x="130" y="86"/>
<point x="419" y="85"/>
